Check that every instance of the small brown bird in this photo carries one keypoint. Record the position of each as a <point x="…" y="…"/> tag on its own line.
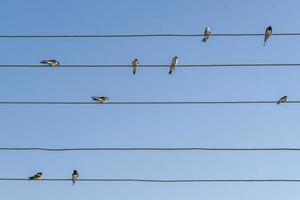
<point x="75" y="176"/>
<point x="282" y="100"/>
<point x="268" y="33"/>
<point x="173" y="65"/>
<point x="51" y="63"/>
<point x="135" y="64"/>
<point x="37" y="176"/>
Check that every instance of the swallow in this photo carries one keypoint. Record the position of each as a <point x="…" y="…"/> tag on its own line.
<point x="268" y="33"/>
<point x="282" y="100"/>
<point x="207" y="33"/>
<point x="37" y="176"/>
<point x="100" y="99"/>
<point x="173" y="64"/>
<point x="75" y="176"/>
<point x="135" y="64"/>
<point x="51" y="63"/>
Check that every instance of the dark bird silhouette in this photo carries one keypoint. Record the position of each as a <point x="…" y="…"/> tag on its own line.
<point x="37" y="176"/>
<point x="100" y="99"/>
<point x="282" y="100"/>
<point x="207" y="34"/>
<point x="51" y="63"/>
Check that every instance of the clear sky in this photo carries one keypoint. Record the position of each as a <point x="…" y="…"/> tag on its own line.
<point x="149" y="126"/>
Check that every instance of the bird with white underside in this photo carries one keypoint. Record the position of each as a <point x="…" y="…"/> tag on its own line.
<point x="135" y="64"/>
<point x="51" y="63"/>
<point x="75" y="176"/>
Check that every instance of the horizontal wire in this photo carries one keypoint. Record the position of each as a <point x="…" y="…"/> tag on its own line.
<point x="146" y="35"/>
<point x="140" y="102"/>
<point x="158" y="180"/>
<point x="151" y="66"/>
<point x="144" y="149"/>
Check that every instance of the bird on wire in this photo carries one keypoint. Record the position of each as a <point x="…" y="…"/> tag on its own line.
<point x="75" y="176"/>
<point x="51" y="63"/>
<point x="101" y="99"/>
<point x="37" y="176"/>
<point x="282" y="100"/>
<point x="268" y="33"/>
<point x="207" y="34"/>
<point x="173" y="65"/>
<point x="135" y="64"/>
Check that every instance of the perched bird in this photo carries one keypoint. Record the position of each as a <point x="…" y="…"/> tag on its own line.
<point x="51" y="63"/>
<point x="268" y="33"/>
<point x="75" y="176"/>
<point x="282" y="100"/>
<point x="207" y="33"/>
<point x="173" y="64"/>
<point x="135" y="64"/>
<point x="100" y="99"/>
<point x="37" y="176"/>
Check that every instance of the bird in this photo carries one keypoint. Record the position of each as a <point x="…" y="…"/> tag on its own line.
<point x="100" y="99"/>
<point x="51" y="63"/>
<point x="173" y="64"/>
<point x="135" y="64"/>
<point x="268" y="33"/>
<point x="207" y="33"/>
<point x="37" y="176"/>
<point x="282" y="100"/>
<point x="75" y="176"/>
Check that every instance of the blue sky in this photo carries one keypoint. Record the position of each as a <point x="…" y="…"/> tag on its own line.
<point x="149" y="126"/>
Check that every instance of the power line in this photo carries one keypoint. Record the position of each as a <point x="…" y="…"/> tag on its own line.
<point x="144" y="35"/>
<point x="144" y="149"/>
<point x="152" y="66"/>
<point x="140" y="102"/>
<point x="157" y="180"/>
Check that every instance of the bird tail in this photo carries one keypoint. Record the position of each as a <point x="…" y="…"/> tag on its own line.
<point x="134" y="71"/>
<point x="73" y="182"/>
<point x="43" y="62"/>
<point x="30" y="178"/>
<point x="170" y="72"/>
<point x="204" y="40"/>
<point x="266" y="38"/>
<point x="278" y="102"/>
